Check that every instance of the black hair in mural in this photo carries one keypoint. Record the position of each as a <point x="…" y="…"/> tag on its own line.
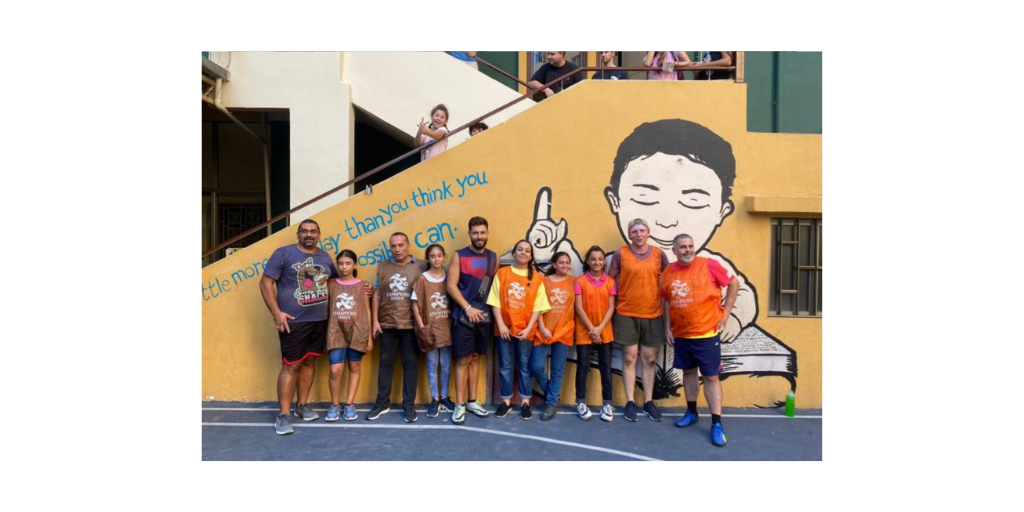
<point x="683" y="138"/>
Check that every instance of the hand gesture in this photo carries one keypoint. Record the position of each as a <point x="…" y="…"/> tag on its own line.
<point x="281" y="319"/>
<point x="595" y="334"/>
<point x="504" y="332"/>
<point x="422" y="126"/>
<point x="475" y="315"/>
<point x="730" y="328"/>
<point x="545" y="234"/>
<point x="543" y="332"/>
<point x="523" y="334"/>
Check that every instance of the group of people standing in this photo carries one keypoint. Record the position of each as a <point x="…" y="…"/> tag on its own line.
<point x="641" y="303"/>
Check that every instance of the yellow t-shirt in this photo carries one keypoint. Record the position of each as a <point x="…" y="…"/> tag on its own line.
<point x="539" y="304"/>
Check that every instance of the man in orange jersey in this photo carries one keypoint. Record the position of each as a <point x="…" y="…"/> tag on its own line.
<point x="694" y="320"/>
<point x="637" y="323"/>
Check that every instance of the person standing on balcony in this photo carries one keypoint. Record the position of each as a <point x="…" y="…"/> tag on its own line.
<point x="468" y="58"/>
<point x="714" y="59"/>
<point x="668" y="61"/>
<point x="393" y="320"/>
<point x="469" y="282"/>
<point x="436" y="130"/>
<point x="295" y="288"/>
<point x="608" y="62"/>
<point x="556" y="67"/>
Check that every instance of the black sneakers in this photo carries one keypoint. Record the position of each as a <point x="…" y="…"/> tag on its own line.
<point x="377" y="411"/>
<point x="524" y="412"/>
<point x="630" y="412"/>
<point x="503" y="410"/>
<point x="652" y="412"/>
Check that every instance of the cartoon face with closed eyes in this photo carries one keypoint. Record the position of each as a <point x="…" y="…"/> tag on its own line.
<point x="677" y="175"/>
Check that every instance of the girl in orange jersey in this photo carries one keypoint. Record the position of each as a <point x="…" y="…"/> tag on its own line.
<point x="348" y="333"/>
<point x="555" y="332"/>
<point x="595" y="306"/>
<point x="517" y="298"/>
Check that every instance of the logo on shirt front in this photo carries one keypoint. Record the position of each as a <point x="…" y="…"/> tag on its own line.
<point x="680" y="289"/>
<point x="559" y="296"/>
<point x="398" y="283"/>
<point x="439" y="301"/>
<point x="312" y="283"/>
<point x="345" y="301"/>
<point x="517" y="290"/>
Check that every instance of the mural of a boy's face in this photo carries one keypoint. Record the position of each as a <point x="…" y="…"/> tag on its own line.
<point x="674" y="194"/>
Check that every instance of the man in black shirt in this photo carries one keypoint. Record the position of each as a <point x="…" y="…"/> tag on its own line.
<point x="557" y="66"/>
<point x="714" y="59"/>
<point x="608" y="61"/>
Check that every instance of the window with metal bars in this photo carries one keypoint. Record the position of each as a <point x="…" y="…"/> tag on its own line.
<point x="795" y="268"/>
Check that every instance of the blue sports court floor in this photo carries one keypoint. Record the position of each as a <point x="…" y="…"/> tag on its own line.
<point x="245" y="431"/>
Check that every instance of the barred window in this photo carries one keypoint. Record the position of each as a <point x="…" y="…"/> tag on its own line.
<point x="796" y="267"/>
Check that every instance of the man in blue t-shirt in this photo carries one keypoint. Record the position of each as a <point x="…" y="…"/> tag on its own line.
<point x="294" y="287"/>
<point x="608" y="61"/>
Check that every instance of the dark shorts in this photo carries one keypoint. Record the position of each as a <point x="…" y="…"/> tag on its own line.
<point x="467" y="340"/>
<point x="703" y="353"/>
<point x="649" y="332"/>
<point x="339" y="355"/>
<point x="305" y="339"/>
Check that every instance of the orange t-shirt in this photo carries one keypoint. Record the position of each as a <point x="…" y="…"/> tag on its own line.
<point x="694" y="300"/>
<point x="517" y="296"/>
<point x="639" y="296"/>
<point x="594" y="299"/>
<point x="561" y="318"/>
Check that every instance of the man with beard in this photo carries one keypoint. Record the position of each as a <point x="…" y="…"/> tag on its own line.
<point x="469" y="282"/>
<point x="694" y="319"/>
<point x="294" y="287"/>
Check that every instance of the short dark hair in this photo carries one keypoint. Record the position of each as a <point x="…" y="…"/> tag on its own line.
<point x="478" y="221"/>
<point x="307" y="221"/>
<point x="690" y="140"/>
<point x="679" y="237"/>
<point x="481" y="125"/>
<point x="426" y="254"/>
<point x="442" y="108"/>
<point x="398" y="233"/>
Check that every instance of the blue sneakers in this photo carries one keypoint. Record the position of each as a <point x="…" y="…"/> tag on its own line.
<point x="433" y="409"/>
<point x="350" y="413"/>
<point x="334" y="413"/>
<point x="630" y="413"/>
<point x="717" y="435"/>
<point x="688" y="419"/>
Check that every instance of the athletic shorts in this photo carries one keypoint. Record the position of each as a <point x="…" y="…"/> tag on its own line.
<point x="703" y="353"/>
<point x="467" y="340"/>
<point x="305" y="339"/>
<point x="649" y="332"/>
<point x="339" y="355"/>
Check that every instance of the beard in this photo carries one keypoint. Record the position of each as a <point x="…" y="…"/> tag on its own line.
<point x="479" y="244"/>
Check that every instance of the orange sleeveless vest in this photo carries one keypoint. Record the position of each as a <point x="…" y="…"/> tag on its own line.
<point x="561" y="318"/>
<point x="695" y="303"/>
<point x="595" y="305"/>
<point x="638" y="284"/>
<point x="517" y="296"/>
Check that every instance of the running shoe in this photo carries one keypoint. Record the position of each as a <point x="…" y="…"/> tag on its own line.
<point x="503" y="410"/>
<point x="477" y="409"/>
<point x="447" y="405"/>
<point x="305" y="412"/>
<point x="377" y="411"/>
<point x="333" y="414"/>
<point x="410" y="414"/>
<point x="717" y="435"/>
<point x="350" y="413"/>
<point x="630" y="412"/>
<point x="459" y="414"/>
<point x="652" y="412"/>
<point x="607" y="412"/>
<point x="688" y="419"/>
<point x="549" y="413"/>
<point x="524" y="412"/>
<point x="283" y="425"/>
<point x="584" y="411"/>
<point x="433" y="408"/>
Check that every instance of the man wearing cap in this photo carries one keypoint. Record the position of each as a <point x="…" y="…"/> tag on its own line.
<point x="638" y="319"/>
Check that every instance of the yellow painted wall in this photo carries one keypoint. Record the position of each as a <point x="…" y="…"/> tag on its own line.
<point x="568" y="144"/>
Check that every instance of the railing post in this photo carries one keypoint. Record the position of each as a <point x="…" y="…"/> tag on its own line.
<point x="740" y="67"/>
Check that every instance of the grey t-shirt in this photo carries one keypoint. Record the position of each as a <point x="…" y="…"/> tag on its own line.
<point x="301" y="282"/>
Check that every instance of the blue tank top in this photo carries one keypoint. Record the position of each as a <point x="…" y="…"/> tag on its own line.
<point x="473" y="268"/>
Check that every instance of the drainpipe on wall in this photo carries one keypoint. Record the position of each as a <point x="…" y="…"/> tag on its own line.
<point x="218" y="86"/>
<point x="776" y="90"/>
